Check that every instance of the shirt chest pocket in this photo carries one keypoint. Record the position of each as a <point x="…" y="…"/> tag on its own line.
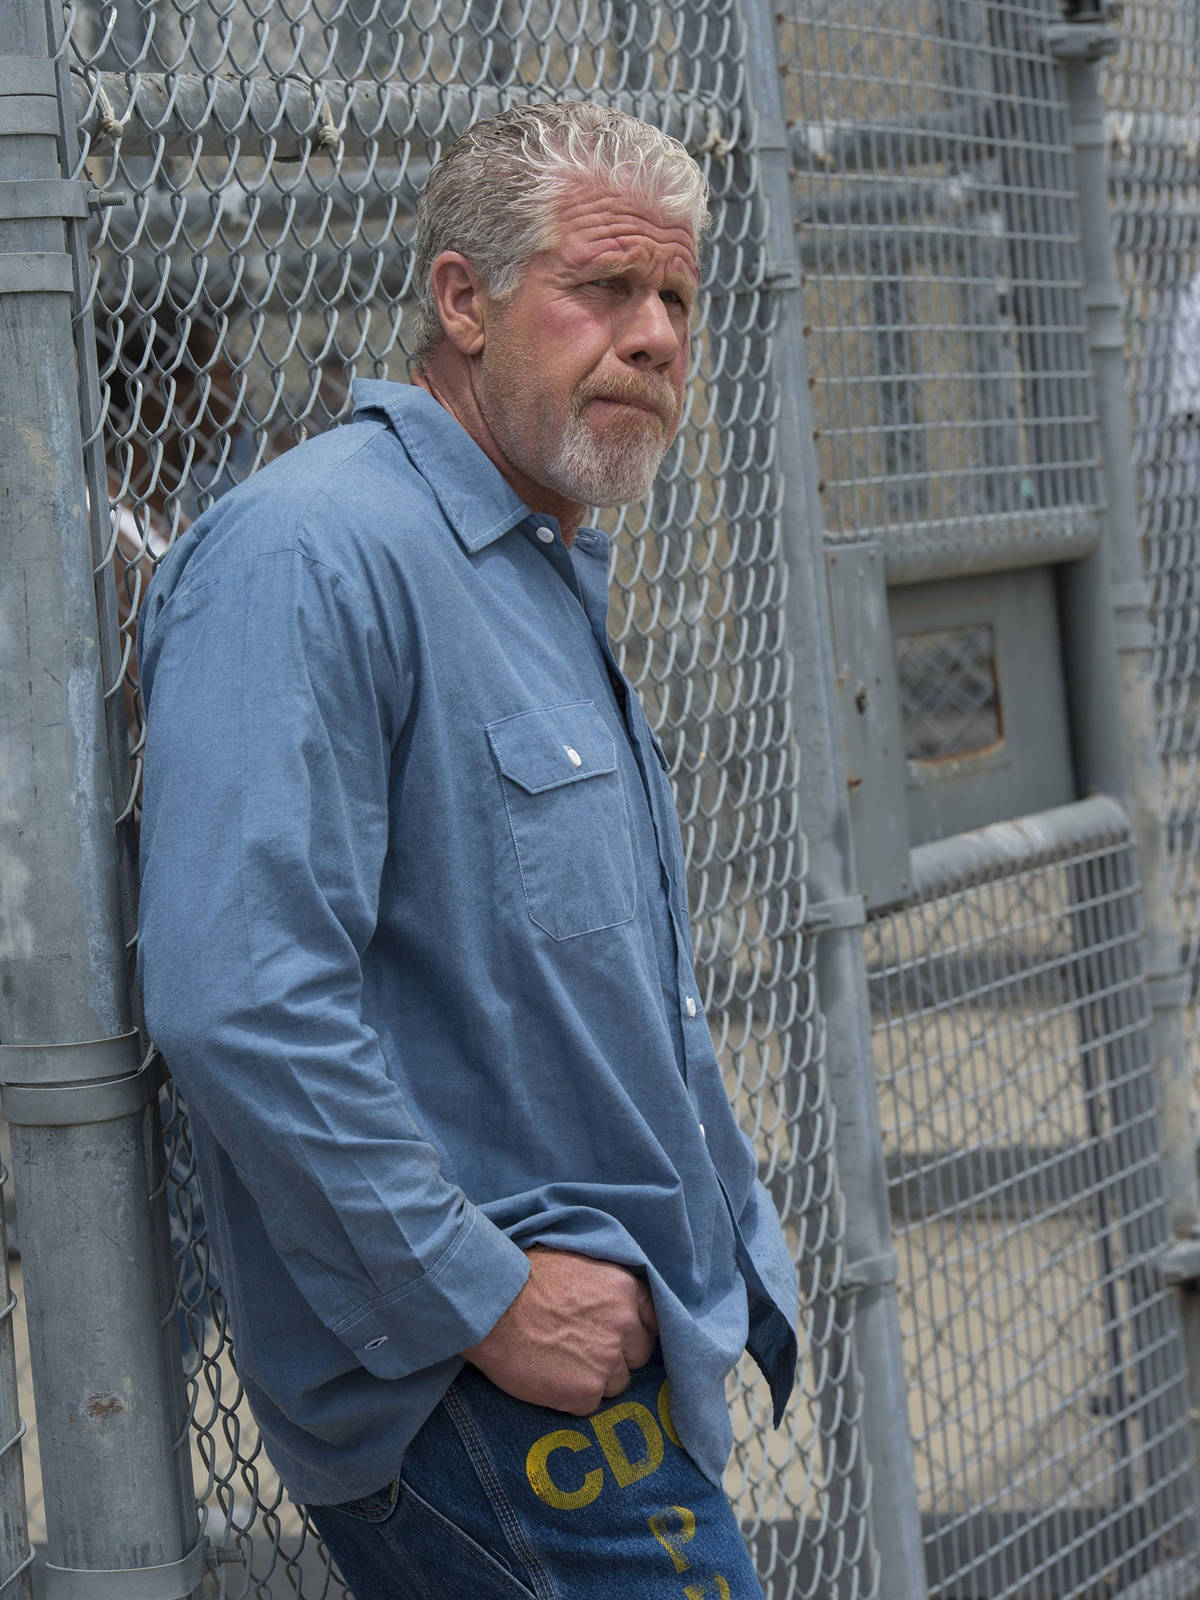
<point x="568" y="818"/>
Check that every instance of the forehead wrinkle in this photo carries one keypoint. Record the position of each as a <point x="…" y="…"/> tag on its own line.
<point x="619" y="226"/>
<point x="620" y="259"/>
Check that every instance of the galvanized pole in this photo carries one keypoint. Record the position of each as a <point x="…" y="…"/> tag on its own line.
<point x="16" y="1554"/>
<point x="1105" y="612"/>
<point x="836" y="912"/>
<point x="121" y="1524"/>
<point x="1119" y="590"/>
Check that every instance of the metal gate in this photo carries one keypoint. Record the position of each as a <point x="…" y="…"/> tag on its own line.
<point x="885" y="600"/>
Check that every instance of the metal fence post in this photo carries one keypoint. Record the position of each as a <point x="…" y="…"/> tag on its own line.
<point x="16" y="1556"/>
<point x="1107" y="595"/>
<point x="107" y="1382"/>
<point x="836" y="911"/>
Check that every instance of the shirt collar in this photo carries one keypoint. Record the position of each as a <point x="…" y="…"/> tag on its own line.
<point x="476" y="500"/>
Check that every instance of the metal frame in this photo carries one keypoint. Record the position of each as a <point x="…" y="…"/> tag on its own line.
<point x="105" y="1368"/>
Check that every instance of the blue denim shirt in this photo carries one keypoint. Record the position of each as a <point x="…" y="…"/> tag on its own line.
<point x="414" y="942"/>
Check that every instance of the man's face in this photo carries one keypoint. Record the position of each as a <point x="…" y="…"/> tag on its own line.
<point x="581" y="377"/>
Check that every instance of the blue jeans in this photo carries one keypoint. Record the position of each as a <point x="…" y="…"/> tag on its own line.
<point x="499" y="1500"/>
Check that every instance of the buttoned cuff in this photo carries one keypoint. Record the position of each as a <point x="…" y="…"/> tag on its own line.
<point x="449" y="1308"/>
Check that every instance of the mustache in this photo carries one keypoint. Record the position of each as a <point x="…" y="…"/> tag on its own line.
<point x="657" y="397"/>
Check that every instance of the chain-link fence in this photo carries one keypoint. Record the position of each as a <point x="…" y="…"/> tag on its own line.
<point x="958" y="447"/>
<point x="1049" y="1413"/>
<point x="249" y="254"/>
<point x="253" y="256"/>
<point x="1153" y="89"/>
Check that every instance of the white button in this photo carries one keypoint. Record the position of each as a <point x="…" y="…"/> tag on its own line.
<point x="703" y="1135"/>
<point x="689" y="1005"/>
<point x="546" y="535"/>
<point x="573" y="756"/>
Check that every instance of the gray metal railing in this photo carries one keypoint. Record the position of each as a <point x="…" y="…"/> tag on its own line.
<point x="883" y="609"/>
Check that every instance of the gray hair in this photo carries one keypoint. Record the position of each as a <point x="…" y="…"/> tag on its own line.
<point x="494" y="193"/>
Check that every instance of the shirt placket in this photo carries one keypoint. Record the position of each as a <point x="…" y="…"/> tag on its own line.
<point x="692" y="1031"/>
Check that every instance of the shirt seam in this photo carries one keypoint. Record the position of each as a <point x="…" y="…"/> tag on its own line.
<point x="393" y="1297"/>
<point x="358" y="597"/>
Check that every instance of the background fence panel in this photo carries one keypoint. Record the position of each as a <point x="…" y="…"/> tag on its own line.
<point x="1153" y="91"/>
<point x="262" y="164"/>
<point x="959" y="445"/>
<point x="258" y="164"/>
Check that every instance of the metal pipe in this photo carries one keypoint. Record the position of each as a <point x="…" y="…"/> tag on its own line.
<point x="16" y="1554"/>
<point x="870" y="1271"/>
<point x="948" y="865"/>
<point x="107" y="1392"/>
<point x="1107" y="595"/>
<point x="1104" y="599"/>
<point x="295" y="116"/>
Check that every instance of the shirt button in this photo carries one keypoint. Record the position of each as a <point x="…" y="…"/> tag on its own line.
<point x="546" y="535"/>
<point x="689" y="1005"/>
<point x="573" y="756"/>
<point x="376" y="1344"/>
<point x="703" y="1135"/>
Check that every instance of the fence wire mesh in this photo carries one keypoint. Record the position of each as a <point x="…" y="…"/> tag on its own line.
<point x="1152" y="88"/>
<point x="936" y="208"/>
<point x="262" y="162"/>
<point x="956" y="429"/>
<point x="1018" y="1099"/>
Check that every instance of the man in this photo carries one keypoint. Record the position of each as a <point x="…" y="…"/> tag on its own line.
<point x="414" y="936"/>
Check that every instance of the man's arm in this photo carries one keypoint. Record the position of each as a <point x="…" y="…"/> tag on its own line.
<point x="273" y="708"/>
<point x="273" y="704"/>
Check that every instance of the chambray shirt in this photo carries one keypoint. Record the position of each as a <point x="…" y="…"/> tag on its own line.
<point x="414" y="942"/>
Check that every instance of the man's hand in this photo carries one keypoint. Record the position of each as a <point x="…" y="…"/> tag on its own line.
<point x="573" y="1334"/>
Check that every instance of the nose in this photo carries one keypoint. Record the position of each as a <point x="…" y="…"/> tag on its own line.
<point x="649" y="336"/>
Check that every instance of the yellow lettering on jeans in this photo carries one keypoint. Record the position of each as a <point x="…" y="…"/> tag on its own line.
<point x="673" y="1538"/>
<point x="714" y="1588"/>
<point x="537" y="1470"/>
<point x="604" y="1425"/>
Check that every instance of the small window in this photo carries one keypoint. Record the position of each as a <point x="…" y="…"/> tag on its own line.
<point x="949" y="699"/>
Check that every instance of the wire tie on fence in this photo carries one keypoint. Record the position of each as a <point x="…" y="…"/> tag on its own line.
<point x="110" y="125"/>
<point x="327" y="137"/>
<point x="782" y="275"/>
<point x="14" y="1441"/>
<point x="869" y="1272"/>
<point x="715" y="143"/>
<point x="826" y="915"/>
<point x="24" y="1567"/>
<point x="7" y="1312"/>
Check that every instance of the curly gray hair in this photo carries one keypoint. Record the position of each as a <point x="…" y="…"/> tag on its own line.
<point x="494" y="193"/>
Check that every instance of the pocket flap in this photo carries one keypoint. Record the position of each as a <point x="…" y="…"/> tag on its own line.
<point x="541" y="750"/>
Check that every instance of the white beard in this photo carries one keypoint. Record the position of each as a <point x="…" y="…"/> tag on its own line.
<point x="608" y="471"/>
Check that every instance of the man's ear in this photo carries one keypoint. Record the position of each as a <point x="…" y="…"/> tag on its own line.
<point x="461" y="301"/>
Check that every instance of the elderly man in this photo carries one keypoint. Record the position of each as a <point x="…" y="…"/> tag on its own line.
<point x="414" y="935"/>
